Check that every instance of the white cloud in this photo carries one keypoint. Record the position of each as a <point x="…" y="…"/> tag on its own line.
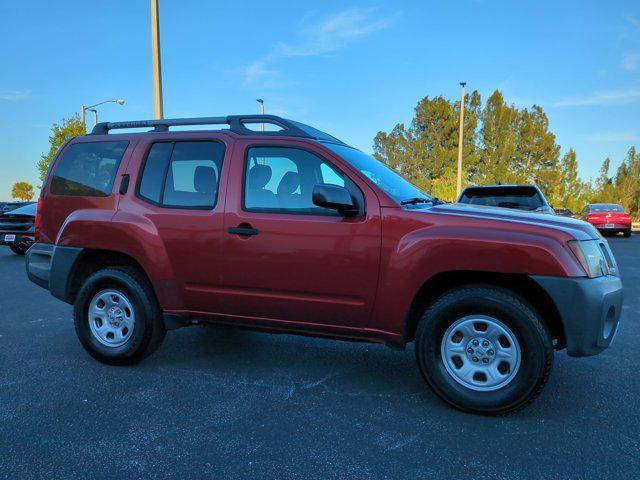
<point x="333" y="33"/>
<point x="601" y="98"/>
<point x="613" y="137"/>
<point x="14" y="96"/>
<point x="631" y="62"/>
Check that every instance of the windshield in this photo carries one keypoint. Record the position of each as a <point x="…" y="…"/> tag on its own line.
<point x="389" y="181"/>
<point x="521" y="198"/>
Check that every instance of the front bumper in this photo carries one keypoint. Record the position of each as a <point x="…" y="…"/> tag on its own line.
<point x="18" y="238"/>
<point x="589" y="308"/>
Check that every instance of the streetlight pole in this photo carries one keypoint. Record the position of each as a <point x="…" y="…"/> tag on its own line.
<point x="460" y="138"/>
<point x="92" y="108"/>
<point x="95" y="115"/>
<point x="155" y="55"/>
<point x="261" y="102"/>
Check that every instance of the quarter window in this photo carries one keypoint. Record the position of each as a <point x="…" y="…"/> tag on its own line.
<point x="182" y="174"/>
<point x="88" y="169"/>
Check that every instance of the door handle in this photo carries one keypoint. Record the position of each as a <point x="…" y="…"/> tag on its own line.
<point x="243" y="229"/>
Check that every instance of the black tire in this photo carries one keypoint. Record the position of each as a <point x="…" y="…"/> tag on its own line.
<point x="514" y="312"/>
<point x="148" y="331"/>
<point x="627" y="233"/>
<point x="19" y="249"/>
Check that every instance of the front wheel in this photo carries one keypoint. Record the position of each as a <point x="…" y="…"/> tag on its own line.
<point x="117" y="318"/>
<point x="627" y="233"/>
<point x="484" y="350"/>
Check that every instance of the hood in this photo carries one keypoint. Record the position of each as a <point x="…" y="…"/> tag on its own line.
<point x="576" y="228"/>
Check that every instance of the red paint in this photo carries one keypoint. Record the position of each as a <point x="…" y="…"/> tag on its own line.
<point x="349" y="277"/>
<point x="616" y="220"/>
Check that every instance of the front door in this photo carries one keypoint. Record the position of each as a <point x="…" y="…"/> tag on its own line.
<point x="285" y="259"/>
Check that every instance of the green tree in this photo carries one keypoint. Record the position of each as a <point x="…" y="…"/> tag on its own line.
<point x="429" y="147"/>
<point x="569" y="192"/>
<point x="60" y="133"/>
<point x="498" y="141"/>
<point x="22" y="191"/>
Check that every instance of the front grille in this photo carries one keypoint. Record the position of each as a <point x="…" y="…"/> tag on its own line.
<point x="16" y="224"/>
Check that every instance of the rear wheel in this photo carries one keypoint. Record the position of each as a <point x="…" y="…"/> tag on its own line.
<point x="627" y="233"/>
<point x="19" y="249"/>
<point x="117" y="318"/>
<point x="483" y="349"/>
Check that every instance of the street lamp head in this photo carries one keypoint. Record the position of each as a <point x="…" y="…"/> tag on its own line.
<point x="259" y="100"/>
<point x="120" y="101"/>
<point x="463" y="84"/>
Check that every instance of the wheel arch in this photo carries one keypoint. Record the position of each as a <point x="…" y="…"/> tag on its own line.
<point x="91" y="260"/>
<point x="520" y="284"/>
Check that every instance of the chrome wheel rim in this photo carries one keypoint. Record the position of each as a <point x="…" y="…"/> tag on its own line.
<point x="111" y="318"/>
<point x="480" y="353"/>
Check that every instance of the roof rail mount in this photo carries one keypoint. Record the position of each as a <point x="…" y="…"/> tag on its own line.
<point x="237" y="124"/>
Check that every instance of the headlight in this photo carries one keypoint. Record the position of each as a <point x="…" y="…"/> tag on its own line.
<point x="594" y="257"/>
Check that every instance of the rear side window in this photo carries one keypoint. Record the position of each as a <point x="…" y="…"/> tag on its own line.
<point x="182" y="174"/>
<point x="88" y="169"/>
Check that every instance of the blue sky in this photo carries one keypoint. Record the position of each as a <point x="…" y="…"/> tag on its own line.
<point x="350" y="68"/>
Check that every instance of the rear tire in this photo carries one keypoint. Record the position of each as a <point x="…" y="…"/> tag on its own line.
<point x="503" y="376"/>
<point x="627" y="233"/>
<point x="19" y="249"/>
<point x="117" y="318"/>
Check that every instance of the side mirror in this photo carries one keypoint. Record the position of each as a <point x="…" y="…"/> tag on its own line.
<point x="335" y="198"/>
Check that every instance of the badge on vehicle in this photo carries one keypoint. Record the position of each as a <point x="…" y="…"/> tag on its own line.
<point x="9" y="238"/>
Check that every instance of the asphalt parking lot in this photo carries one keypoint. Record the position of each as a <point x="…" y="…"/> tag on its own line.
<point x="225" y="403"/>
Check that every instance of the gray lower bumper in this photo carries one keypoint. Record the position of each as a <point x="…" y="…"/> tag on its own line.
<point x="50" y="266"/>
<point x="590" y="310"/>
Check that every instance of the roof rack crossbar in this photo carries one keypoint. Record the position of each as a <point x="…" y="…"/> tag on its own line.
<point x="237" y="124"/>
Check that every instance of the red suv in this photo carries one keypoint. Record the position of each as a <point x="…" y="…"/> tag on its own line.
<point x="608" y="218"/>
<point x="294" y="231"/>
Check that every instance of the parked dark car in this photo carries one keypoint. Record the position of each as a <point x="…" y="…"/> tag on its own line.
<point x="519" y="197"/>
<point x="8" y="206"/>
<point x="294" y="231"/>
<point x="17" y="228"/>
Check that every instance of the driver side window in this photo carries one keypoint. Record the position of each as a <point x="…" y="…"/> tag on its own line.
<point x="281" y="179"/>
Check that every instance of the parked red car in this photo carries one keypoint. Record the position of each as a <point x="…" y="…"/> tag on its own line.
<point x="608" y="218"/>
<point x="294" y="231"/>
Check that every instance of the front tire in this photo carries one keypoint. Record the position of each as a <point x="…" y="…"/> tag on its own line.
<point x="117" y="318"/>
<point x="627" y="233"/>
<point x="484" y="350"/>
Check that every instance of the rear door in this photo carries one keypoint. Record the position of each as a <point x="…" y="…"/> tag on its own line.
<point x="180" y="190"/>
<point x="299" y="263"/>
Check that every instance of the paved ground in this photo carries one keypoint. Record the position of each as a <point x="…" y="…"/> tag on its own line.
<point x="222" y="403"/>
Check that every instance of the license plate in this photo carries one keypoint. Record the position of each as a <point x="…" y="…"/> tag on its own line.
<point x="9" y="238"/>
<point x="609" y="225"/>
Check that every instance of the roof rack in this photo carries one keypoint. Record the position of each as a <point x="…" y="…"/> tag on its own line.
<point x="237" y="124"/>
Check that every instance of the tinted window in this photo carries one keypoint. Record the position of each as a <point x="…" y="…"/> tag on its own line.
<point x="182" y="174"/>
<point x="282" y="179"/>
<point x="88" y="169"/>
<point x="606" y="207"/>
<point x="154" y="168"/>
<point x="521" y="198"/>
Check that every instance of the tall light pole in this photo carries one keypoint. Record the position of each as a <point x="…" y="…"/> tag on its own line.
<point x="261" y="102"/>
<point x="157" y="67"/>
<point x="92" y="108"/>
<point x="460" y="137"/>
